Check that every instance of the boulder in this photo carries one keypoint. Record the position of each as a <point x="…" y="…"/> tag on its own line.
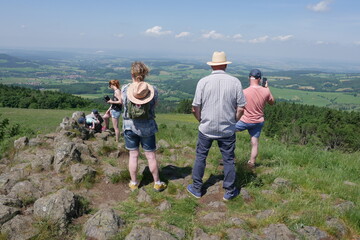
<point x="338" y="226"/>
<point x="19" y="228"/>
<point x="143" y="196"/>
<point x="9" y="201"/>
<point x="7" y="213"/>
<point x="25" y="191"/>
<point x="80" y="171"/>
<point x="313" y="233"/>
<point x="43" y="160"/>
<point x="165" y="205"/>
<point x="199" y="234"/>
<point x="240" y="234"/>
<point x="59" y="207"/>
<point x="146" y="233"/>
<point x="103" y="225"/>
<point x="21" y="143"/>
<point x="278" y="232"/>
<point x="65" y="153"/>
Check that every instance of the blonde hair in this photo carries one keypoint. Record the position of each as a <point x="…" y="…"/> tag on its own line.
<point x="139" y="71"/>
<point x="114" y="82"/>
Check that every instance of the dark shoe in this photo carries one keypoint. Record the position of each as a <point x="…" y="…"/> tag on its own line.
<point x="231" y="195"/>
<point x="193" y="192"/>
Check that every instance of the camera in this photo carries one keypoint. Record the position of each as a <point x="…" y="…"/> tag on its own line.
<point x="106" y="98"/>
<point x="264" y="80"/>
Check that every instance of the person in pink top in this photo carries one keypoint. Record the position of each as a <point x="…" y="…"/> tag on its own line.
<point x="253" y="118"/>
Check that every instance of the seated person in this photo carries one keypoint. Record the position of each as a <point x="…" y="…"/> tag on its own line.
<point x="94" y="120"/>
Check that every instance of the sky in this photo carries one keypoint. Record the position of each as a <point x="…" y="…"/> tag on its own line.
<point x="269" y="29"/>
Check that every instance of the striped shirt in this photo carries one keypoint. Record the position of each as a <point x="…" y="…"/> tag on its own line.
<point x="218" y="96"/>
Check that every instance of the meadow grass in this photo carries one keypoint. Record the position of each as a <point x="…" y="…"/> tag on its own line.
<point x="318" y="180"/>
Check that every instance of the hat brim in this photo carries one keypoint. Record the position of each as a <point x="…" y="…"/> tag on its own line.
<point x="218" y="63"/>
<point x="144" y="100"/>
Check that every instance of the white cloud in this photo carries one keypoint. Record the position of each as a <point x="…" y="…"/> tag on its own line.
<point x="259" y="39"/>
<point x="213" y="35"/>
<point x="182" y="34"/>
<point x="283" y="38"/>
<point x="82" y="34"/>
<point x="238" y="38"/>
<point x="320" y="6"/>
<point x="357" y="43"/>
<point x="118" y="35"/>
<point x="156" y="31"/>
<point x="23" y="26"/>
<point x="99" y="51"/>
<point x="321" y="43"/>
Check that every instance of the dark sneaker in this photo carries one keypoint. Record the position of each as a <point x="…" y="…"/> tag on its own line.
<point x="193" y="192"/>
<point x="231" y="195"/>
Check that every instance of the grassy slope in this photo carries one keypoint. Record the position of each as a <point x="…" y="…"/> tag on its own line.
<point x="312" y="173"/>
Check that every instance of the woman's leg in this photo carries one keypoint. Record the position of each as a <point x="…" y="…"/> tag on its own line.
<point x="133" y="164"/>
<point x="106" y="120"/>
<point x="115" y="122"/>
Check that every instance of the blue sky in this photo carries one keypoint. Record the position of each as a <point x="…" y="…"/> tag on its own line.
<point x="302" y="29"/>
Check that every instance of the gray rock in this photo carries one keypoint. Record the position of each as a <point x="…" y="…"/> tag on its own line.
<point x="59" y="207"/>
<point x="47" y="182"/>
<point x="216" y="204"/>
<point x="8" y="180"/>
<point x="7" y="213"/>
<point x="9" y="201"/>
<point x="21" y="143"/>
<point x="110" y="171"/>
<point x="214" y="189"/>
<point x="165" y="205"/>
<point x="245" y="195"/>
<point x="278" y="232"/>
<point x="350" y="183"/>
<point x="214" y="216"/>
<point x="76" y="115"/>
<point x="265" y="214"/>
<point x="103" y="225"/>
<point x="163" y="144"/>
<point x="313" y="233"/>
<point x="267" y="192"/>
<point x="25" y="191"/>
<point x="80" y="171"/>
<point x="33" y="142"/>
<point x="241" y="234"/>
<point x="236" y="221"/>
<point x="65" y="153"/>
<point x="199" y="234"/>
<point x="19" y="228"/>
<point x="340" y="228"/>
<point x="143" y="196"/>
<point x="344" y="206"/>
<point x="177" y="232"/>
<point x="42" y="160"/>
<point x="146" y="233"/>
<point x="281" y="182"/>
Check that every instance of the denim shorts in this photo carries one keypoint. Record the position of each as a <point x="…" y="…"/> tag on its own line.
<point x="114" y="113"/>
<point x="254" y="129"/>
<point x="133" y="141"/>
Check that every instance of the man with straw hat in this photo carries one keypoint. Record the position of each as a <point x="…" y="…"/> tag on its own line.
<point x="218" y="104"/>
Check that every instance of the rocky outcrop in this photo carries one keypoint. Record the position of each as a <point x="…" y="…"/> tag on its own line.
<point x="104" y="225"/>
<point x="146" y="233"/>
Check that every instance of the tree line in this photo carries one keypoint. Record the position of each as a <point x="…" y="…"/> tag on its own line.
<point x="304" y="124"/>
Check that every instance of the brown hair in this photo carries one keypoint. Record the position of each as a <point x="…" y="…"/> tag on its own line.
<point x="139" y="70"/>
<point x="115" y="83"/>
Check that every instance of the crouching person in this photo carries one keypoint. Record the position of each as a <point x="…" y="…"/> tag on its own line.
<point x="139" y="125"/>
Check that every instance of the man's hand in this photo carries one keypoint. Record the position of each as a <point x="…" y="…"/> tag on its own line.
<point x="197" y="112"/>
<point x="239" y="113"/>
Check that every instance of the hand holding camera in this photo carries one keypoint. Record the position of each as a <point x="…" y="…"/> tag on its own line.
<point x="106" y="98"/>
<point x="264" y="81"/>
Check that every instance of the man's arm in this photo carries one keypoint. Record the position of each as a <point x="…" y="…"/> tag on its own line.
<point x="197" y="112"/>
<point x="239" y="113"/>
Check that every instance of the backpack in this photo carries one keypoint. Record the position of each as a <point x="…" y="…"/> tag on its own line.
<point x="137" y="111"/>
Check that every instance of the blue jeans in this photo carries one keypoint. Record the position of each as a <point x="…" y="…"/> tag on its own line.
<point x="133" y="141"/>
<point x="254" y="129"/>
<point x="227" y="148"/>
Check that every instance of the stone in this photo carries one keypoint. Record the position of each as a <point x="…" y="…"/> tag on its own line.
<point x="177" y="232"/>
<point x="25" y="191"/>
<point x="165" y="205"/>
<point x="21" y="143"/>
<point x="143" y="196"/>
<point x="163" y="144"/>
<point x="19" y="228"/>
<point x="278" y="232"/>
<point x="199" y="234"/>
<point x="146" y="233"/>
<point x="214" y="216"/>
<point x="344" y="206"/>
<point x="42" y="160"/>
<point x="245" y="195"/>
<point x="265" y="214"/>
<point x="313" y="233"/>
<point x="105" y="224"/>
<point x="7" y="213"/>
<point x="216" y="204"/>
<point x="76" y="115"/>
<point x="9" y="201"/>
<point x="65" y="153"/>
<point x="8" y="180"/>
<point x="281" y="182"/>
<point x="58" y="207"/>
<point x="240" y="234"/>
<point x="340" y="228"/>
<point x="80" y="171"/>
<point x="236" y="221"/>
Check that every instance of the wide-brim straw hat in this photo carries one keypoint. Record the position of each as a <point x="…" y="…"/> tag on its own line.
<point x="140" y="92"/>
<point x="218" y="58"/>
